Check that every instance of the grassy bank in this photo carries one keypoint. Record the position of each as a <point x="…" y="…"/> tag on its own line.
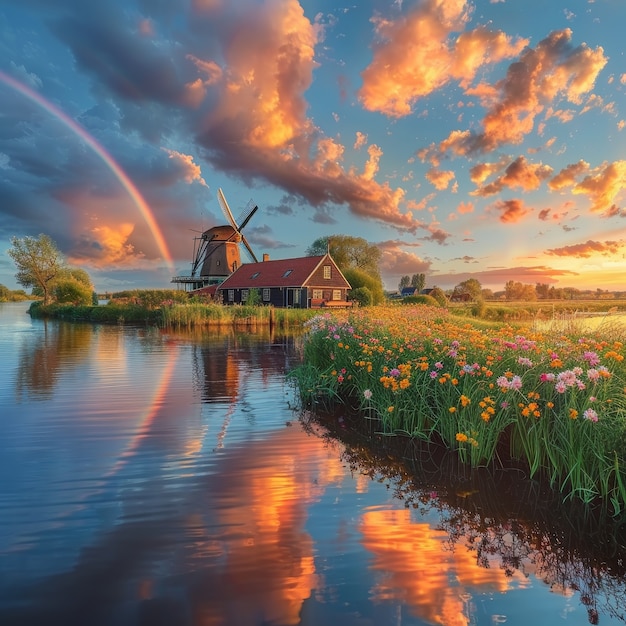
<point x="550" y="403"/>
<point x="187" y="314"/>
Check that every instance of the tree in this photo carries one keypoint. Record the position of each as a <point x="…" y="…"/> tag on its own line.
<point x="358" y="278"/>
<point x="405" y="281"/>
<point x="519" y="291"/>
<point x="68" y="289"/>
<point x="438" y="294"/>
<point x="471" y="286"/>
<point x="418" y="281"/>
<point x="38" y="262"/>
<point x="349" y="253"/>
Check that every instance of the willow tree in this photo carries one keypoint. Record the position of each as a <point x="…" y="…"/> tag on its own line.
<point x="39" y="262"/>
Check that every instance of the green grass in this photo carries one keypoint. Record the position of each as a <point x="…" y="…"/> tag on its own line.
<point x="496" y="394"/>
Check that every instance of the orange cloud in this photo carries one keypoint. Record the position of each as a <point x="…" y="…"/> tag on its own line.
<point x="588" y="249"/>
<point x="465" y="207"/>
<point x="519" y="174"/>
<point x="360" y="141"/>
<point x="604" y="186"/>
<point x="256" y="119"/>
<point x="439" y="178"/>
<point x="414" y="55"/>
<point x="552" y="71"/>
<point x="511" y="211"/>
<point x="568" y="175"/>
<point x="482" y="171"/>
<point x="397" y="262"/>
<point x="191" y="171"/>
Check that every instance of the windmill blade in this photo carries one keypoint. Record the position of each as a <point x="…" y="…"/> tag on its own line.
<point x="226" y="209"/>
<point x="244" y="241"/>
<point x="246" y="219"/>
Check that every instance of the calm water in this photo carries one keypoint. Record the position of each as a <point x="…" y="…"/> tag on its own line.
<point x="152" y="478"/>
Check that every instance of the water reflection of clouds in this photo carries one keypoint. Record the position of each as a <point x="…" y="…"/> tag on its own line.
<point x="415" y="565"/>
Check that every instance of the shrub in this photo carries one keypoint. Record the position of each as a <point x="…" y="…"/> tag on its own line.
<point x="421" y="299"/>
<point x="362" y="295"/>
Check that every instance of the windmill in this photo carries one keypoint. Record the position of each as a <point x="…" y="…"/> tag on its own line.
<point x="217" y="254"/>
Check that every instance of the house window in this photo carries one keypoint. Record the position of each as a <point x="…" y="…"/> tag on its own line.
<point x="231" y="295"/>
<point x="266" y="295"/>
<point x="287" y="273"/>
<point x="317" y="294"/>
<point x="244" y="295"/>
<point x="255" y="274"/>
<point x="326" y="271"/>
<point x="336" y="294"/>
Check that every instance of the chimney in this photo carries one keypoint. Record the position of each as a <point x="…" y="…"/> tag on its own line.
<point x="266" y="257"/>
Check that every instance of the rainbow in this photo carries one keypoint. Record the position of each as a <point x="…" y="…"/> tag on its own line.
<point x="110" y="162"/>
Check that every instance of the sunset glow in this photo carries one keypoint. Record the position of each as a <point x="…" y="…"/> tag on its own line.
<point x="466" y="138"/>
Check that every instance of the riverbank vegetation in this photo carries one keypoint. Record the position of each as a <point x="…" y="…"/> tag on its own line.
<point x="548" y="402"/>
<point x="169" y="308"/>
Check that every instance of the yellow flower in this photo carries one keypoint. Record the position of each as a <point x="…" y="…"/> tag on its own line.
<point x="462" y="437"/>
<point x="573" y="414"/>
<point x="452" y="409"/>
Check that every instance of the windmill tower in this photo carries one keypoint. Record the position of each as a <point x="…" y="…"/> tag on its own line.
<point x="217" y="254"/>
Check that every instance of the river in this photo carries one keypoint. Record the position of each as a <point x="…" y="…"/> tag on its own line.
<point x="151" y="477"/>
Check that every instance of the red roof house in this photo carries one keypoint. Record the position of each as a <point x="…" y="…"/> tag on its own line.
<point x="304" y="282"/>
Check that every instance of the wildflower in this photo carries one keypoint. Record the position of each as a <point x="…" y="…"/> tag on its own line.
<point x="503" y="382"/>
<point x="573" y="414"/>
<point x="394" y="372"/>
<point x="390" y="409"/>
<point x="433" y="374"/>
<point x="439" y="365"/>
<point x="462" y="437"/>
<point x="590" y="415"/>
<point x="593" y="374"/>
<point x="516" y="383"/>
<point x="465" y="400"/>
<point x="525" y="362"/>
<point x="547" y="377"/>
<point x="367" y="394"/>
<point x="452" y="409"/>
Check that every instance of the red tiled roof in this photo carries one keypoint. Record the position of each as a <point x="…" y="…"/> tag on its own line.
<point x="279" y="273"/>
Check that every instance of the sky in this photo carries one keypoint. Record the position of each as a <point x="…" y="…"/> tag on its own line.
<point x="466" y="139"/>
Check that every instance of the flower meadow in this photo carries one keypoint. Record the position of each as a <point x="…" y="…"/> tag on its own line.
<point x="554" y="405"/>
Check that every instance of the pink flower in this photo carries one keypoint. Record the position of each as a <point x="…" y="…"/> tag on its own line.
<point x="593" y="374"/>
<point x="439" y="365"/>
<point x="394" y="372"/>
<point x="591" y="358"/>
<point x="590" y="415"/>
<point x="367" y="394"/>
<point x="560" y="387"/>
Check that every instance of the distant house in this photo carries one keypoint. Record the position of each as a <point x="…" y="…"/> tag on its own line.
<point x="305" y="282"/>
<point x="460" y="297"/>
<point x="408" y="291"/>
